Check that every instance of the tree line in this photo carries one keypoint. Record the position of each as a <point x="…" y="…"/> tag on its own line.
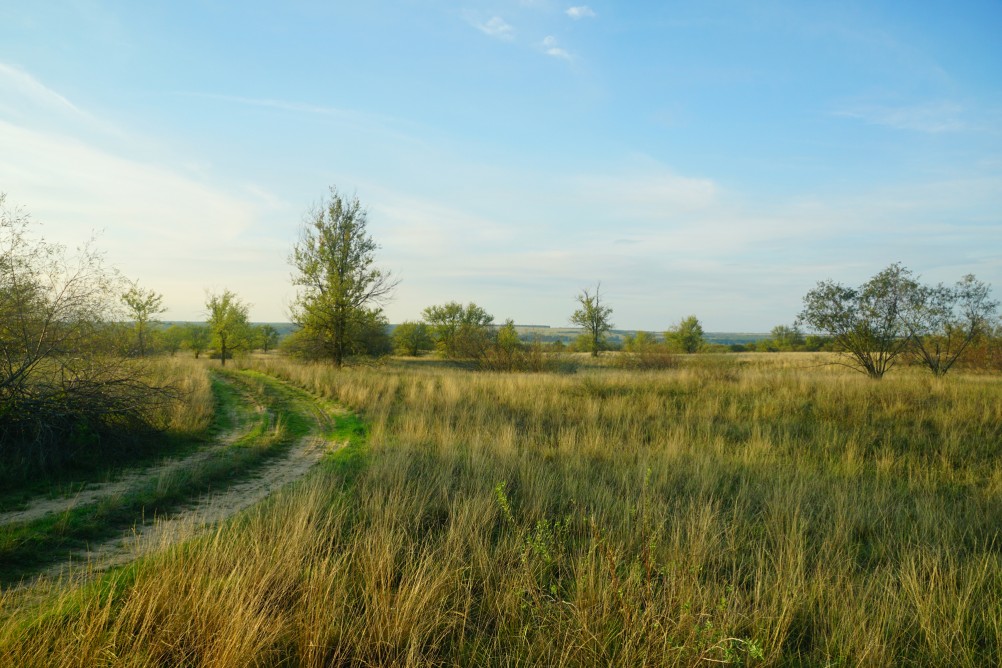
<point x="72" y="328"/>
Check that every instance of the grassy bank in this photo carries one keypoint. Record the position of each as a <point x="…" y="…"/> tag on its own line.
<point x="775" y="513"/>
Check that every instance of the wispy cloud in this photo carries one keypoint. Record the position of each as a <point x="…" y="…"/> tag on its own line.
<point x="581" y="12"/>
<point x="931" y="117"/>
<point x="495" y="27"/>
<point x="552" y="48"/>
<point x="20" y="82"/>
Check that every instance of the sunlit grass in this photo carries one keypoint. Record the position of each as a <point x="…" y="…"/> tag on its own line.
<point x="742" y="509"/>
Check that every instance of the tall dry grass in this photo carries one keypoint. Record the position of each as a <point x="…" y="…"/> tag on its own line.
<point x="751" y="512"/>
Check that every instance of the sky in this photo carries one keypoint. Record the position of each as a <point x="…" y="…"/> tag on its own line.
<point x="709" y="157"/>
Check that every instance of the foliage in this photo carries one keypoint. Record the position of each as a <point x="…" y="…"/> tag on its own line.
<point x="943" y="321"/>
<point x="687" y="336"/>
<point x="639" y="341"/>
<point x="171" y="338"/>
<point x="460" y="332"/>
<point x="893" y="315"/>
<point x="412" y="338"/>
<point x="62" y="385"/>
<point x="340" y="288"/>
<point x="866" y="323"/>
<point x="228" y="324"/>
<point x="197" y="338"/>
<point x="593" y="316"/>
<point x="143" y="307"/>
<point x="266" y="337"/>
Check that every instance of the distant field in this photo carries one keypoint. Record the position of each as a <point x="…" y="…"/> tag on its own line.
<point x="738" y="509"/>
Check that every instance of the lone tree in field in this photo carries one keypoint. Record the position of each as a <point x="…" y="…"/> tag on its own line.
<point x="867" y="324"/>
<point x="943" y="320"/>
<point x="593" y="316"/>
<point x="143" y="307"/>
<point x="341" y="289"/>
<point x="687" y="336"/>
<point x="227" y="323"/>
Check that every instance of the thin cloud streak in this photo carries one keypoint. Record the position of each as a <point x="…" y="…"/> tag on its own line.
<point x="931" y="117"/>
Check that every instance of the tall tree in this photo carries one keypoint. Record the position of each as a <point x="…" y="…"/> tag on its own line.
<point x="340" y="288"/>
<point x="593" y="316"/>
<point x="227" y="322"/>
<point x="143" y="307"/>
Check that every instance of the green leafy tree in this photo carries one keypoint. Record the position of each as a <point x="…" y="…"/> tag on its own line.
<point x="461" y="332"/>
<point x="227" y="319"/>
<point x="593" y="317"/>
<point x="943" y="321"/>
<point x="267" y="337"/>
<point x="172" y="339"/>
<point x="340" y="287"/>
<point x="866" y="324"/>
<point x="687" y="336"/>
<point x="412" y="338"/>
<point x="197" y="338"/>
<point x="143" y="308"/>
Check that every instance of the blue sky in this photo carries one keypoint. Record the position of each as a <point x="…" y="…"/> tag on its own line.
<point x="713" y="158"/>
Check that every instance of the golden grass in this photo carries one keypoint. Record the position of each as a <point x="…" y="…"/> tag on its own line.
<point x="757" y="510"/>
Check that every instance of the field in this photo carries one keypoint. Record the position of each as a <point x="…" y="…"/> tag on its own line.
<point x="754" y="510"/>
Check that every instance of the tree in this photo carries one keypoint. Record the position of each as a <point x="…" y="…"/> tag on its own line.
<point x="866" y="324"/>
<point x="412" y="338"/>
<point x="267" y="336"/>
<point x="197" y="338"/>
<point x="943" y="321"/>
<point x="143" y="307"/>
<point x="687" y="336"/>
<point x="173" y="339"/>
<point x="787" y="337"/>
<point x="459" y="332"/>
<point x="227" y="316"/>
<point x="334" y="267"/>
<point x="593" y="317"/>
<point x="60" y="378"/>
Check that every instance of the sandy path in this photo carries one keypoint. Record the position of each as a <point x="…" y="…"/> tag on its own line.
<point x="206" y="511"/>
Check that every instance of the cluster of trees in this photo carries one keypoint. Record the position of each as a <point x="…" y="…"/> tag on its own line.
<point x="893" y="317"/>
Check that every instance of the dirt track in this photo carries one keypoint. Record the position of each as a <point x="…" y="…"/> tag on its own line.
<point x="200" y="512"/>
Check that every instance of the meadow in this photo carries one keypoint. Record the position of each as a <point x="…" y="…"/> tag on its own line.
<point x="738" y="509"/>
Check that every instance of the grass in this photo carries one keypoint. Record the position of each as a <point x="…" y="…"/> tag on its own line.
<point x="744" y="510"/>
